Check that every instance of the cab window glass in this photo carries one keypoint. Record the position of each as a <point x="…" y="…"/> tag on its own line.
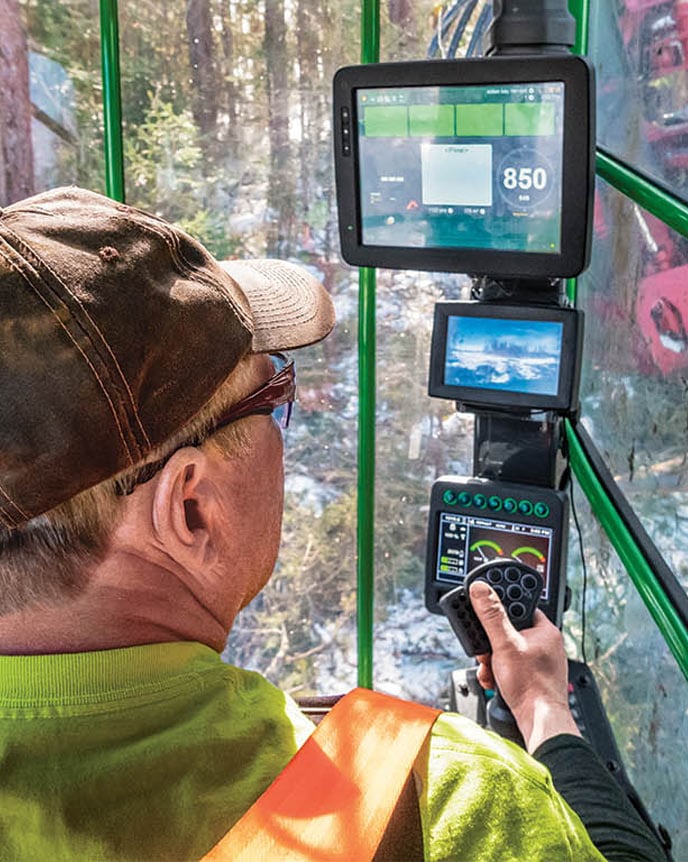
<point x="642" y="688"/>
<point x="227" y="133"/>
<point x="418" y="439"/>
<point x="640" y="54"/>
<point x="633" y="390"/>
<point x="633" y="402"/>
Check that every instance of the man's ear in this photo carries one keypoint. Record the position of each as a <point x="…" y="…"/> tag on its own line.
<point x="185" y="508"/>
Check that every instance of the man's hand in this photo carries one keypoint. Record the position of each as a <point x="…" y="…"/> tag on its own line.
<point x="528" y="666"/>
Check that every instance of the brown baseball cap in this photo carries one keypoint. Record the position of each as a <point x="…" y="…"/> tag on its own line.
<point x="115" y="329"/>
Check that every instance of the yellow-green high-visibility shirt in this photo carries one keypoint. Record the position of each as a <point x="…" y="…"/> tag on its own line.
<point x="153" y="752"/>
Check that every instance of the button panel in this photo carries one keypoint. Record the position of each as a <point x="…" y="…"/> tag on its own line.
<point x="495" y="503"/>
<point x="473" y="520"/>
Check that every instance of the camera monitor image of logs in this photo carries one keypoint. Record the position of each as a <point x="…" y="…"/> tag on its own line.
<point x="481" y="166"/>
<point x="488" y="356"/>
<point x="473" y="521"/>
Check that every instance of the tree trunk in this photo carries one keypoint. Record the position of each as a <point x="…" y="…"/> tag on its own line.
<point x="203" y="71"/>
<point x="399" y="11"/>
<point x="281" y="184"/>
<point x="229" y="96"/>
<point x="307" y="54"/>
<point x="16" y="150"/>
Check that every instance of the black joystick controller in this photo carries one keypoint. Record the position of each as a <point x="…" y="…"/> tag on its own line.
<point x="519" y="588"/>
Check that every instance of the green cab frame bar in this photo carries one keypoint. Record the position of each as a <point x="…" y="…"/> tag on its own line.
<point x="112" y="99"/>
<point x="367" y="386"/>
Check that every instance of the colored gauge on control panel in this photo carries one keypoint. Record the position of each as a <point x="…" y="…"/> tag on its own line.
<point x="526" y="553"/>
<point x="487" y="549"/>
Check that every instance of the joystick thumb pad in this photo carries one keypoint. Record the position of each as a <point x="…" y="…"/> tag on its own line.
<point x="491" y="613"/>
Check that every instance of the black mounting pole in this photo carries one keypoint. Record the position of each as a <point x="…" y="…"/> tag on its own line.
<point x="521" y="27"/>
<point x="530" y="27"/>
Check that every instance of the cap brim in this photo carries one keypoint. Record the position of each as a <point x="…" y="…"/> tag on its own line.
<point x="289" y="306"/>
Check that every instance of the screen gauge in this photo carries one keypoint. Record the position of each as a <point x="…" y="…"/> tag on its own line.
<point x="466" y="541"/>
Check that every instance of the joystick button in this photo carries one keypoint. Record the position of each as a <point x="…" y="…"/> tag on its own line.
<point x="494" y="576"/>
<point x="514" y="592"/>
<point x="512" y="574"/>
<point x="529" y="582"/>
<point x="517" y="611"/>
<point x="541" y="509"/>
<point x="510" y="505"/>
<point x="449" y="497"/>
<point x="479" y="500"/>
<point x="500" y="592"/>
<point x="525" y="507"/>
<point x="464" y="499"/>
<point x="495" y="503"/>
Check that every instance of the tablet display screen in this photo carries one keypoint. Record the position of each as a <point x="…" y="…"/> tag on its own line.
<point x="474" y="167"/>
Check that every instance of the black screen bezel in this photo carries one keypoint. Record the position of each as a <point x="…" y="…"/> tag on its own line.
<point x="577" y="163"/>
<point x="475" y="398"/>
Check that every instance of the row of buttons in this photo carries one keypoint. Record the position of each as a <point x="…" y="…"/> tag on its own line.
<point x="495" y="503"/>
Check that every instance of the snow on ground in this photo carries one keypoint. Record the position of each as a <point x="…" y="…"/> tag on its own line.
<point x="414" y="654"/>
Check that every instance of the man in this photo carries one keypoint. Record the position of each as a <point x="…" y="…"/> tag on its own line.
<point x="141" y="391"/>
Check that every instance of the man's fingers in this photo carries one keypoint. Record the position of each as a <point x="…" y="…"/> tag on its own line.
<point x="484" y="672"/>
<point x="491" y="613"/>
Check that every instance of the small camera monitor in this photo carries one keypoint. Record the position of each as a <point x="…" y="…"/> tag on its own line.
<point x="477" y="166"/>
<point x="486" y="355"/>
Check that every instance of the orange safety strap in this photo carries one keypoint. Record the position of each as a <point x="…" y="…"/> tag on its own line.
<point x="334" y="799"/>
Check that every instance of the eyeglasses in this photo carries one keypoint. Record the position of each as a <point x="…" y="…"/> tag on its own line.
<point x="275" y="396"/>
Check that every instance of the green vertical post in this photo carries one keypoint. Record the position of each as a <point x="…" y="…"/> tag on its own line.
<point x="366" y="476"/>
<point x="112" y="100"/>
<point x="580" y="9"/>
<point x="370" y="31"/>
<point x="365" y="571"/>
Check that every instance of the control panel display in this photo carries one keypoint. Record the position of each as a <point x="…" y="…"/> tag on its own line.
<point x="462" y="167"/>
<point x="466" y="541"/>
<point x="473" y="521"/>
<point x="482" y="166"/>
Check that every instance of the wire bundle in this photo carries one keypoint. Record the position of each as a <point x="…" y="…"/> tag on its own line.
<point x="452" y="25"/>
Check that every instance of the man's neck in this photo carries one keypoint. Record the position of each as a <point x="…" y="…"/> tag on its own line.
<point x="127" y="602"/>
